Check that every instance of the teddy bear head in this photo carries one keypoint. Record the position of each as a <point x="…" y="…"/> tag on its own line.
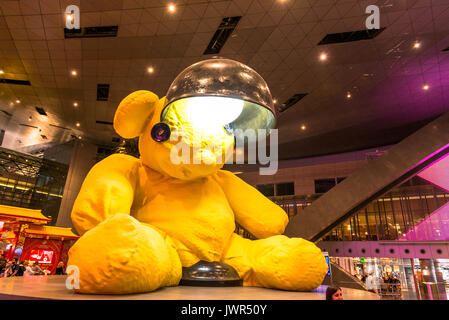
<point x="195" y="148"/>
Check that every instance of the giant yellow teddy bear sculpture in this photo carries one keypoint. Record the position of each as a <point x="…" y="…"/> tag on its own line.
<point x="142" y="220"/>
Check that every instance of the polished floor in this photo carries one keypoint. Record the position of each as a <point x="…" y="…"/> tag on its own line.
<point x="53" y="287"/>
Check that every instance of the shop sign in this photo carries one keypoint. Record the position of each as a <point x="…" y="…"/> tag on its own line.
<point x="41" y="256"/>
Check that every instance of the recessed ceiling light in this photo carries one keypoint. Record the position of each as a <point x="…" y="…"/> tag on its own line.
<point x="75" y="104"/>
<point x="275" y="101"/>
<point x="150" y="69"/>
<point x="18" y="101"/>
<point x="171" y="7"/>
<point x="417" y="45"/>
<point x="78" y="124"/>
<point x="79" y="137"/>
<point x="1" y="71"/>
<point x="349" y="95"/>
<point x="73" y="73"/>
<point x="323" y="56"/>
<point x="303" y="127"/>
<point x="426" y="87"/>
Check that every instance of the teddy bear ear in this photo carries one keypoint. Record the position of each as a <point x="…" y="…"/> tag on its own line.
<point x="134" y="112"/>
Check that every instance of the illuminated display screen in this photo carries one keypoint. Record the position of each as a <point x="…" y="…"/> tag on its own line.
<point x="328" y="267"/>
<point x="326" y="256"/>
<point x="41" y="256"/>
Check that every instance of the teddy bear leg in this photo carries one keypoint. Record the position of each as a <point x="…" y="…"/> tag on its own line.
<point x="277" y="262"/>
<point x="122" y="255"/>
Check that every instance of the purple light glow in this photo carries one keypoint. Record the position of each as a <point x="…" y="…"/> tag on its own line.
<point x="437" y="173"/>
<point x="436" y="225"/>
<point x="433" y="227"/>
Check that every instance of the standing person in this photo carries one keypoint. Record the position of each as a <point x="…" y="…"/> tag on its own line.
<point x="28" y="272"/>
<point x="60" y="268"/>
<point x="7" y="269"/>
<point x="2" y="262"/>
<point x="14" y="268"/>
<point x="36" y="269"/>
<point x="334" y="293"/>
<point x="21" y="269"/>
<point x="363" y="279"/>
<point x="371" y="282"/>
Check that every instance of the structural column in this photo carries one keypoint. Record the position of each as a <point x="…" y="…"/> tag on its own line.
<point x="82" y="160"/>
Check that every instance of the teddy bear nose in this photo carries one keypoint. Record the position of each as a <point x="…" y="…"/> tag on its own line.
<point x="160" y="132"/>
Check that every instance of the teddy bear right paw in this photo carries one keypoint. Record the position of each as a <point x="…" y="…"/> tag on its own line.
<point x="121" y="255"/>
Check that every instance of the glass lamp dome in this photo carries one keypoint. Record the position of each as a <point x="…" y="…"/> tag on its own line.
<point x="224" y="92"/>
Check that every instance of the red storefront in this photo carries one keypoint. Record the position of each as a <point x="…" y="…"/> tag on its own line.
<point x="24" y="235"/>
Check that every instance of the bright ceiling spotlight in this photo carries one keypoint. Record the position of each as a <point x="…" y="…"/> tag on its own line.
<point x="417" y="45"/>
<point x="150" y="69"/>
<point x="74" y="73"/>
<point x="18" y="101"/>
<point x="234" y="97"/>
<point x="1" y="71"/>
<point x="78" y="124"/>
<point x="171" y="8"/>
<point x="275" y="101"/>
<point x="426" y="87"/>
<point x="323" y="56"/>
<point x="348" y="95"/>
<point x="75" y="104"/>
<point x="303" y="127"/>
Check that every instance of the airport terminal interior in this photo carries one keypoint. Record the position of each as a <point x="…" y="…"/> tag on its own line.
<point x="355" y="93"/>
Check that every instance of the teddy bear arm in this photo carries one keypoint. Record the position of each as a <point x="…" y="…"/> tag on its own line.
<point x="252" y="210"/>
<point x="107" y="190"/>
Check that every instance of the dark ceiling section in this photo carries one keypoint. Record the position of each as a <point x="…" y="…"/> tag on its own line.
<point x="109" y="123"/>
<point x="222" y="34"/>
<point x="291" y="101"/>
<point x="351" y="36"/>
<point x="102" y="92"/>
<point x="363" y="136"/>
<point x="41" y="111"/>
<point x="91" y="32"/>
<point x="15" y="81"/>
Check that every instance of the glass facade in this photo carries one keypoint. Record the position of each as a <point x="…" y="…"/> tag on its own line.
<point x="30" y="182"/>
<point x="393" y="214"/>
<point x="292" y="205"/>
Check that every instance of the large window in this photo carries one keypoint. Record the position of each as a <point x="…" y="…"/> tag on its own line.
<point x="266" y="189"/>
<point x="31" y="182"/>
<point x="279" y="189"/>
<point x="324" y="185"/>
<point x="285" y="189"/>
